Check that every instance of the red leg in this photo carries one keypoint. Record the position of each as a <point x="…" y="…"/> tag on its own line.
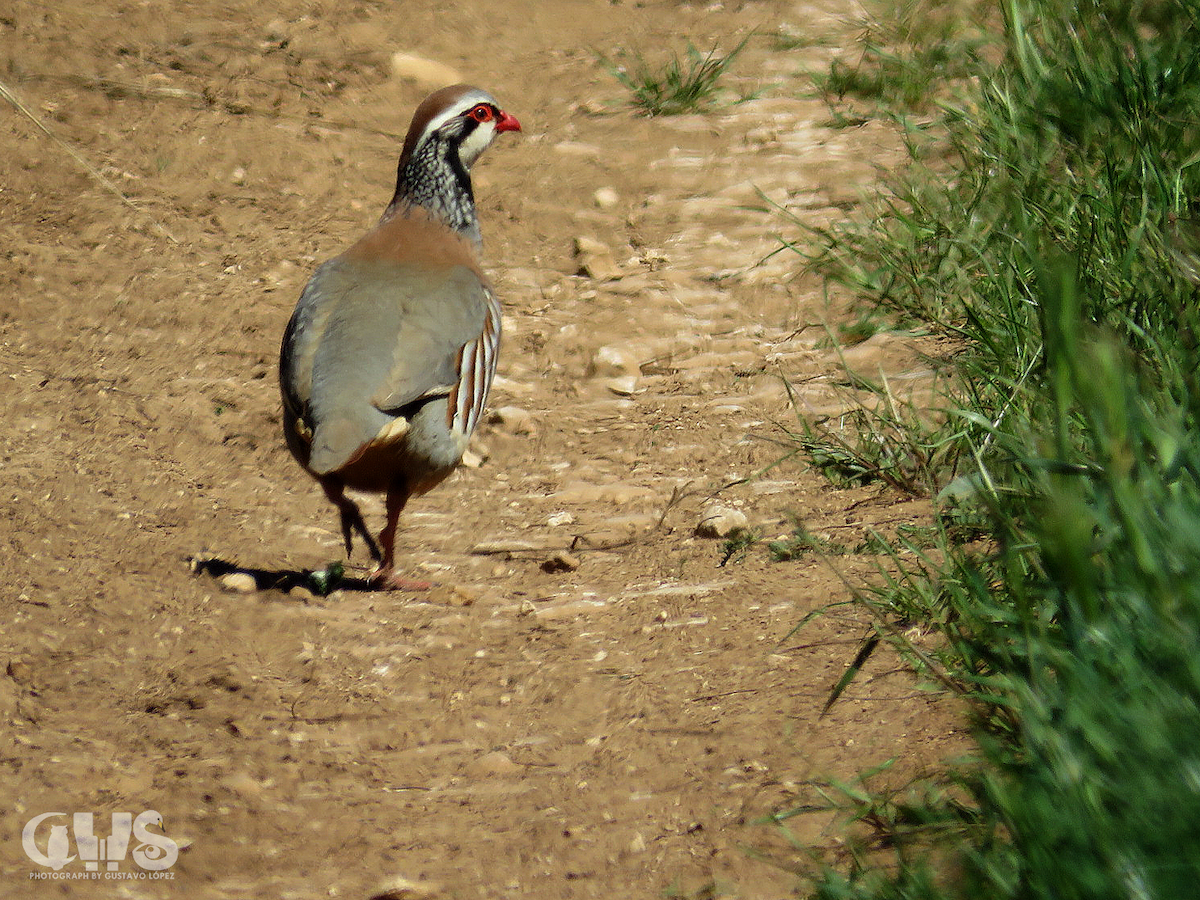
<point x="385" y="576"/>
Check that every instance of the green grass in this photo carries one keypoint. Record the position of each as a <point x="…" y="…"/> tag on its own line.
<point x="906" y="53"/>
<point x="735" y="547"/>
<point x="890" y="441"/>
<point x="683" y="84"/>
<point x="801" y="542"/>
<point x="864" y="327"/>
<point x="1045" y="228"/>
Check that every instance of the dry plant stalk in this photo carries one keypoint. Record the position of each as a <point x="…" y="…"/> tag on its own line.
<point x="7" y="93"/>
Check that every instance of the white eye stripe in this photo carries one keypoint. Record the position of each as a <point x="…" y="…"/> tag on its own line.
<point x="465" y="105"/>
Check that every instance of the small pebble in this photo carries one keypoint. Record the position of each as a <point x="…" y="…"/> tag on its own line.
<point x="428" y="72"/>
<point x="400" y="888"/>
<point x="622" y="385"/>
<point x="576" y="148"/>
<point x="610" y="362"/>
<point x="242" y="784"/>
<point x="513" y="419"/>
<point x="721" y="521"/>
<point x="492" y="764"/>
<point x="561" y="561"/>
<point x="605" y="198"/>
<point x="595" y="260"/>
<point x="239" y="582"/>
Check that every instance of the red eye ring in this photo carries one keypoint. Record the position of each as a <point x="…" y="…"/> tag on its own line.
<point x="482" y="113"/>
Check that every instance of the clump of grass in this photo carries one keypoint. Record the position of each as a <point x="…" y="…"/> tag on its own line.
<point x="890" y="442"/>
<point x="882" y="816"/>
<point x="735" y="547"/>
<point x="802" y="542"/>
<point x="684" y="84"/>
<point x="906" y="53"/>
<point x="906" y="80"/>
<point x="1043" y="237"/>
<point x="868" y="324"/>
<point x="1075" y="641"/>
<point x="1042" y="160"/>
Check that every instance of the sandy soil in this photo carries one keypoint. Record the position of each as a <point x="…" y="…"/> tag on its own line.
<point x="613" y="727"/>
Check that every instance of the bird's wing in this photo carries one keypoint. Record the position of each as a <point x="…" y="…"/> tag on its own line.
<point x="374" y="337"/>
<point x="448" y="312"/>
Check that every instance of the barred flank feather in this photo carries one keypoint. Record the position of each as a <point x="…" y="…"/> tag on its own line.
<point x="476" y="368"/>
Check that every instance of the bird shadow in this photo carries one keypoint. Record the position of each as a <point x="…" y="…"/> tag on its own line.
<point x="282" y="580"/>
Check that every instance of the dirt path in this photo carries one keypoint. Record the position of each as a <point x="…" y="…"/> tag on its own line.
<point x="613" y="728"/>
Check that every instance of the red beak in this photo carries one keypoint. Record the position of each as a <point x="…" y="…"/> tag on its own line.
<point x="507" y="122"/>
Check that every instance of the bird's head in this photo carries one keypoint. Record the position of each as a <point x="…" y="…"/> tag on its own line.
<point x="460" y="118"/>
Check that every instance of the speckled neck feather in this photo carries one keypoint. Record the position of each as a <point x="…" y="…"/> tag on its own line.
<point x="434" y="178"/>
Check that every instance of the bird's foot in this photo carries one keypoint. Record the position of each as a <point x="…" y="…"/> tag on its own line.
<point x="389" y="580"/>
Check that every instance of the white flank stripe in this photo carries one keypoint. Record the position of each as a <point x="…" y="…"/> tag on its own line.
<point x="477" y="368"/>
<point x="481" y="383"/>
<point x="465" y="399"/>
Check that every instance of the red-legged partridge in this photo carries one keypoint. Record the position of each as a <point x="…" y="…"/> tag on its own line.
<point x="388" y="358"/>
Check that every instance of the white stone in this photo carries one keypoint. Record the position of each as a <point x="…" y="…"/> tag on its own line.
<point x="623" y="385"/>
<point x="513" y="419"/>
<point x="239" y="582"/>
<point x="561" y="561"/>
<point x="576" y="148"/>
<point x="427" y="72"/>
<point x="721" y="521"/>
<point x="401" y="888"/>
<point x="610" y="361"/>
<point x="496" y="763"/>
<point x="617" y="493"/>
<point x="595" y="259"/>
<point x="606" y="198"/>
